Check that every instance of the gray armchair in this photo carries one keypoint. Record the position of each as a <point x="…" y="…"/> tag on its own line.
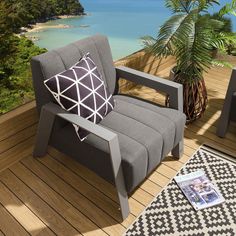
<point x="129" y="143"/>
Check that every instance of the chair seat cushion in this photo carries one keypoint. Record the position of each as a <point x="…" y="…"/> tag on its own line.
<point x="171" y="115"/>
<point x="146" y="134"/>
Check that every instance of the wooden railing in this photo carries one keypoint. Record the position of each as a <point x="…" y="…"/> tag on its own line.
<point x="17" y="131"/>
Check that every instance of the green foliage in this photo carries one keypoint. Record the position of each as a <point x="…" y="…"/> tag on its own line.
<point x="32" y="11"/>
<point x="226" y="25"/>
<point x="222" y="37"/>
<point x="191" y="34"/>
<point x="229" y="8"/>
<point x="16" y="52"/>
<point x="11" y="17"/>
<point x="15" y="74"/>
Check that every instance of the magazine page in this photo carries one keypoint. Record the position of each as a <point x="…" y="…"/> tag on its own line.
<point x="199" y="190"/>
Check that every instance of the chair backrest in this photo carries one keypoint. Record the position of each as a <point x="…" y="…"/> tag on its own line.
<point x="55" y="61"/>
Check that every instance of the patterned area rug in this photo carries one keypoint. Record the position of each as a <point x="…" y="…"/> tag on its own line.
<point x="170" y="214"/>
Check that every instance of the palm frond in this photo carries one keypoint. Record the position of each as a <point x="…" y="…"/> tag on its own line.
<point x="222" y="40"/>
<point x="214" y="24"/>
<point x="221" y="63"/>
<point x="193" y="57"/>
<point x="229" y="8"/>
<point x="203" y="5"/>
<point x="177" y="28"/>
<point x="186" y="6"/>
<point x="190" y="36"/>
<point x="178" y="6"/>
<point x="148" y="42"/>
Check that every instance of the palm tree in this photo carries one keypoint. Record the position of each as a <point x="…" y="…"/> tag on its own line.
<point x="190" y="35"/>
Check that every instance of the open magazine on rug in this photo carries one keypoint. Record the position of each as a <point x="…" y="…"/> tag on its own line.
<point x="199" y="190"/>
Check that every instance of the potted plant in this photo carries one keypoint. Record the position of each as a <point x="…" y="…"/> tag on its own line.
<point x="192" y="35"/>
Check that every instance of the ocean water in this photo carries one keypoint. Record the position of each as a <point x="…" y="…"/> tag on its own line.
<point x="123" y="21"/>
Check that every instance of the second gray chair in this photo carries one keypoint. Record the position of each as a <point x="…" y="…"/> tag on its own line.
<point x="228" y="111"/>
<point x="130" y="141"/>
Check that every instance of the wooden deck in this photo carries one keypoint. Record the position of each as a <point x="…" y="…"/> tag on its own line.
<point x="55" y="195"/>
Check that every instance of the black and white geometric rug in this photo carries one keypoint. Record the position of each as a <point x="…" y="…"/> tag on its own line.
<point x="170" y="213"/>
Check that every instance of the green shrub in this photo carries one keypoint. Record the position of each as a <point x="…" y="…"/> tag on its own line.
<point x="15" y="74"/>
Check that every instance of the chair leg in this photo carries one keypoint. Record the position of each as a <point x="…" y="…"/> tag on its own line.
<point x="222" y="128"/>
<point x="224" y="119"/>
<point x="122" y="196"/>
<point x="45" y="126"/>
<point x="119" y="177"/>
<point x="178" y="150"/>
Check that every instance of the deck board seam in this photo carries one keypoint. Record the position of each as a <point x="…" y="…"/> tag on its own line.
<point x="81" y="192"/>
<point x="154" y="182"/>
<point x="1" y="153"/>
<point x="212" y="140"/>
<point x="94" y="185"/>
<point x="27" y="208"/>
<point x="43" y="200"/>
<point x="2" y="233"/>
<point x="68" y="201"/>
<point x="19" y="131"/>
<point x="104" y="180"/>
<point x="13" y="218"/>
<point x="81" y="176"/>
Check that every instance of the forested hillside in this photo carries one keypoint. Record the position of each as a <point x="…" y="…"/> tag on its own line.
<point x="15" y="51"/>
<point x="31" y="11"/>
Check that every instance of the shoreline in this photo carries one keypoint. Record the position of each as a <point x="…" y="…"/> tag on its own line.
<point x="68" y="16"/>
<point x="41" y="26"/>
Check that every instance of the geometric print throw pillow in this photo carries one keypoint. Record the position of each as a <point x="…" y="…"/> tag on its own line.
<point x="81" y="90"/>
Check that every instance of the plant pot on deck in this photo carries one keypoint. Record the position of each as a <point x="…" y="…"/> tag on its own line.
<point x="194" y="96"/>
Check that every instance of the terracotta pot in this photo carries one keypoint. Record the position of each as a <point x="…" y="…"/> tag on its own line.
<point x="194" y="96"/>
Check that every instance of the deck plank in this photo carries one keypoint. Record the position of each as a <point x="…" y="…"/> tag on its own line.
<point x="16" y="153"/>
<point x="58" y="201"/>
<point x="91" y="177"/>
<point x="9" y="225"/>
<point x="22" y="214"/>
<point x="82" y="187"/>
<point x="17" y="138"/>
<point x="90" y="216"/>
<point x="2" y="234"/>
<point x="37" y="205"/>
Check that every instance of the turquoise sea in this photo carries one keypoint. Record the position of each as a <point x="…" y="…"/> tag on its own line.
<point x="123" y="21"/>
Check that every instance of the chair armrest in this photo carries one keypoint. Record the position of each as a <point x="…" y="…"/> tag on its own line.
<point x="95" y="129"/>
<point x="47" y="117"/>
<point x="173" y="89"/>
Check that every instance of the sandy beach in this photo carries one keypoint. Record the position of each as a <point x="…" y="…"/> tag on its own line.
<point x="39" y="27"/>
<point x="69" y="16"/>
<point x="43" y="26"/>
